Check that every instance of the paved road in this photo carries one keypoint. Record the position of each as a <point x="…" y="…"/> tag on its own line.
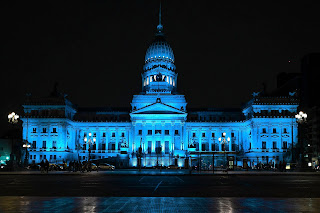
<point x="157" y="204"/>
<point x="98" y="185"/>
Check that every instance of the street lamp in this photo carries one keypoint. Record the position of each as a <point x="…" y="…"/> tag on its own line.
<point x="26" y="145"/>
<point x="12" y="119"/>
<point x="89" y="141"/>
<point x="224" y="141"/>
<point x="301" y="118"/>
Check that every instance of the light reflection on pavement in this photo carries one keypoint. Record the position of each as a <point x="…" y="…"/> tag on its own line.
<point x="156" y="204"/>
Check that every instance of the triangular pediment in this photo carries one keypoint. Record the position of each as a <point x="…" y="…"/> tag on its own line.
<point x="158" y="108"/>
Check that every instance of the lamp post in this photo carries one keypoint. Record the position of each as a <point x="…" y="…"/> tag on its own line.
<point x="301" y="118"/>
<point x="26" y="145"/>
<point x="89" y="141"/>
<point x="12" y="119"/>
<point x="224" y="141"/>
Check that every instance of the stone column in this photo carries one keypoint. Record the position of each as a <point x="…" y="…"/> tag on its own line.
<point x="117" y="138"/>
<point x="199" y="139"/>
<point x="153" y="138"/>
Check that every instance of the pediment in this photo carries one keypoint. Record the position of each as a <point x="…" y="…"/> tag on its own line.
<point x="158" y="108"/>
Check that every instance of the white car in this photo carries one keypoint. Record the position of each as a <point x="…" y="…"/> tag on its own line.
<point x="105" y="166"/>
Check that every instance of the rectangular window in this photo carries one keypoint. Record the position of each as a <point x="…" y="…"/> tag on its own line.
<point x="213" y="135"/>
<point x="122" y="134"/>
<point x="103" y="146"/>
<point x="140" y="132"/>
<point x="149" y="132"/>
<point x="232" y="134"/>
<point x="264" y="145"/>
<point x="113" y="134"/>
<point x="223" y="147"/>
<point x="215" y="147"/>
<point x="94" y="146"/>
<point x="44" y="157"/>
<point x="44" y="144"/>
<point x="203" y="134"/>
<point x="274" y="130"/>
<point x="54" y="157"/>
<point x="249" y="145"/>
<point x="34" y="130"/>
<point x="44" y="130"/>
<point x="176" y="132"/>
<point x="149" y="146"/>
<point x="166" y="145"/>
<point x="84" y="134"/>
<point x="84" y="147"/>
<point x="284" y="145"/>
<point x="103" y="134"/>
<point x="166" y="132"/>
<point x="264" y="130"/>
<point x="40" y="157"/>
<point x="30" y="157"/>
<point x="274" y="144"/>
<point x="34" y="157"/>
<point x="94" y="134"/>
<point x="34" y="144"/>
<point x="193" y="134"/>
<point x="158" y="147"/>
<point x="233" y="147"/>
<point x="54" y="130"/>
<point x="50" y="157"/>
<point x="54" y="144"/>
<point x="157" y="131"/>
<point x="285" y="130"/>
<point x="204" y="147"/>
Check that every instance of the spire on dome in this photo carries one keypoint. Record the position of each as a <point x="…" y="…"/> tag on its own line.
<point x="160" y="27"/>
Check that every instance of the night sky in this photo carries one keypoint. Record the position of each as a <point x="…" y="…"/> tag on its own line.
<point x="95" y="50"/>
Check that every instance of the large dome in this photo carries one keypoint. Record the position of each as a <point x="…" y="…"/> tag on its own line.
<point x="159" y="49"/>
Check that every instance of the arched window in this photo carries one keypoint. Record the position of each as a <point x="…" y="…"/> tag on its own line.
<point x="173" y="83"/>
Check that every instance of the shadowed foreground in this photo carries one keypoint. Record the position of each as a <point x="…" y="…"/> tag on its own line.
<point x="96" y="185"/>
<point x="157" y="204"/>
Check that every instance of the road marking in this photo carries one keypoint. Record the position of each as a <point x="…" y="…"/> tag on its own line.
<point x="142" y="178"/>
<point x="179" y="179"/>
<point x="157" y="187"/>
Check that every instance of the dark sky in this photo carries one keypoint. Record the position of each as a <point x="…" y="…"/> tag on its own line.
<point x="224" y="50"/>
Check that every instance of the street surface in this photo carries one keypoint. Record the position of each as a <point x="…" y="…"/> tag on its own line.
<point x="157" y="204"/>
<point x="97" y="184"/>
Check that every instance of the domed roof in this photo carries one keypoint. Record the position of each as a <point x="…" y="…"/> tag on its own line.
<point x="159" y="49"/>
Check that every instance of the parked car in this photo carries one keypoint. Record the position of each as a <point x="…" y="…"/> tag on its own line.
<point x="174" y="167"/>
<point x="94" y="167"/>
<point x="55" y="167"/>
<point x="105" y="166"/>
<point x="33" y="167"/>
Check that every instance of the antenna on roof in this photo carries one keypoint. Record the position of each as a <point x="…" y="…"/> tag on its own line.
<point x="160" y="27"/>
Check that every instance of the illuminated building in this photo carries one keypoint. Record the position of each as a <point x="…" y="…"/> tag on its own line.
<point x="158" y="122"/>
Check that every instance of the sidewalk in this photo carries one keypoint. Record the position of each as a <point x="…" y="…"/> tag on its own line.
<point x="155" y="172"/>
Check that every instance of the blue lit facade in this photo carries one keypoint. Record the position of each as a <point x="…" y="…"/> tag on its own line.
<point x="158" y="122"/>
